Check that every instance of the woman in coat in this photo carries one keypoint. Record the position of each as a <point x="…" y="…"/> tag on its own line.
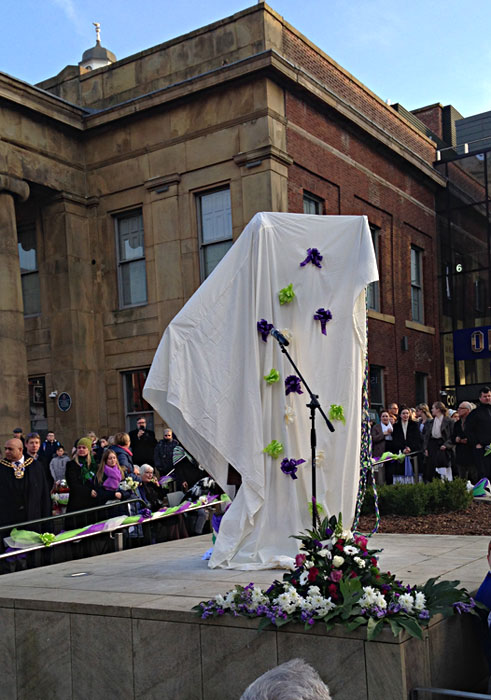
<point x="437" y="444"/>
<point x="406" y="438"/>
<point x="79" y="475"/>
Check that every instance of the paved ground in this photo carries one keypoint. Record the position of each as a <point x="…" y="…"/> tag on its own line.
<point x="173" y="576"/>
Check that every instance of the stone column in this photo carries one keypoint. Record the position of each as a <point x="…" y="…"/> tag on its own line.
<point x="14" y="395"/>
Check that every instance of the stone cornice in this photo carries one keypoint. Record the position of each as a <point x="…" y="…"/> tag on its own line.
<point x="42" y="102"/>
<point x="14" y="186"/>
<point x="251" y="158"/>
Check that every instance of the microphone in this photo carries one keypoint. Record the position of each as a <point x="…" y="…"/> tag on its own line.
<point x="279" y="337"/>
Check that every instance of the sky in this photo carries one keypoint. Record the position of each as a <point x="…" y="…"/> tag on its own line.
<point x="416" y="53"/>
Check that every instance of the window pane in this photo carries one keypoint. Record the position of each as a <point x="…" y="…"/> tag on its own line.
<point x="134" y="283"/>
<point x="213" y="254"/>
<point x="31" y="294"/>
<point x="216" y="216"/>
<point x="130" y="232"/>
<point x="37" y="404"/>
<point x="135" y="381"/>
<point x="376" y="386"/>
<point x="27" y="249"/>
<point x="311" y="205"/>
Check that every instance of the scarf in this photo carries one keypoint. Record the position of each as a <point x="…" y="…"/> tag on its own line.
<point x="88" y="469"/>
<point x="113" y="477"/>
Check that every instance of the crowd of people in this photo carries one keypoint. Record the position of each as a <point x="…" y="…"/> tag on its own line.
<point x="40" y="478"/>
<point x="440" y="443"/>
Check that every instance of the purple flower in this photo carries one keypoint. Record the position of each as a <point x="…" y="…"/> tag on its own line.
<point x="289" y="466"/>
<point x="424" y="615"/>
<point x="462" y="607"/>
<point x="323" y="315"/>
<point x="313" y="256"/>
<point x="264" y="328"/>
<point x="146" y="513"/>
<point x="292" y="384"/>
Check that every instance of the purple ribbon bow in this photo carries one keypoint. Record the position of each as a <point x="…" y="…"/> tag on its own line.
<point x="289" y="466"/>
<point x="313" y="256"/>
<point x="323" y="315"/>
<point x="264" y="328"/>
<point x="292" y="385"/>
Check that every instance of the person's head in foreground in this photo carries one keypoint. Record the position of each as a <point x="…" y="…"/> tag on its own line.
<point x="293" y="680"/>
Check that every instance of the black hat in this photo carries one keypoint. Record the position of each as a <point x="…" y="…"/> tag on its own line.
<point x="17" y="430"/>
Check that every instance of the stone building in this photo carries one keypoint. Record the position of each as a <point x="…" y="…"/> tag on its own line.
<point x="121" y="187"/>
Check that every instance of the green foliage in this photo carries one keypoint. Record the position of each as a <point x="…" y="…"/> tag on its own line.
<point x="419" y="499"/>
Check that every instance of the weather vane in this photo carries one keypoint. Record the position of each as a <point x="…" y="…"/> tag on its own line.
<point x="97" y="26"/>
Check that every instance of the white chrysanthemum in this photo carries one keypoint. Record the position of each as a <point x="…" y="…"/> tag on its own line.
<point x="287" y="333"/>
<point x="290" y="415"/>
<point x="258" y="597"/>
<point x="324" y="553"/>
<point x="337" y="561"/>
<point x="308" y="564"/>
<point x="220" y="601"/>
<point x="288" y="601"/>
<point x="304" y="577"/>
<point x="419" y="601"/>
<point x="230" y="600"/>
<point x="349" y="549"/>
<point x="360" y="562"/>
<point x="406" y="601"/>
<point x="347" y="535"/>
<point x="372" y="598"/>
<point x="314" y="590"/>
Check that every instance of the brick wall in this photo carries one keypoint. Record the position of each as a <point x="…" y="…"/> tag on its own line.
<point x="353" y="174"/>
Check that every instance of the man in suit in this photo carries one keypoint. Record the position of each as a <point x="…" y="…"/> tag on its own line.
<point x="24" y="492"/>
<point x="142" y="443"/>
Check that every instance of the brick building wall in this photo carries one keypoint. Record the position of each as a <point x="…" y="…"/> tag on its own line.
<point x="352" y="174"/>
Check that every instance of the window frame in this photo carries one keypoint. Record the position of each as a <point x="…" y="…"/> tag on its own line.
<point x="149" y="413"/>
<point x="374" y="287"/>
<point x="417" y="285"/>
<point x="423" y="377"/>
<point x="380" y="370"/>
<point x="121" y="264"/>
<point x="199" y="217"/>
<point x="33" y="274"/>
<point x="317" y="202"/>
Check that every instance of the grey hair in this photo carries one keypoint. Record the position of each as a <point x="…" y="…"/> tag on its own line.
<point x="145" y="467"/>
<point x="466" y="404"/>
<point x="293" y="679"/>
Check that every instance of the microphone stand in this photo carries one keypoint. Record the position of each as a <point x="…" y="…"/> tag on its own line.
<point x="314" y="406"/>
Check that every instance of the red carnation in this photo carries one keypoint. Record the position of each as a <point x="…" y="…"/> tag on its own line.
<point x="313" y="573"/>
<point x="333" y="591"/>
<point x="340" y="546"/>
<point x="373" y="561"/>
<point x="354" y="575"/>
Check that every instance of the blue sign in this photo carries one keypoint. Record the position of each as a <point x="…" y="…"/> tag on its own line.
<point x="472" y="343"/>
<point x="64" y="401"/>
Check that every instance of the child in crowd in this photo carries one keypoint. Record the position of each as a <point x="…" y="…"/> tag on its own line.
<point x="108" y="477"/>
<point x="58" y="463"/>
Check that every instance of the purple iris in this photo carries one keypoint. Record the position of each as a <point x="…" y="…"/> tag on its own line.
<point x="264" y="328"/>
<point x="313" y="256"/>
<point x="292" y="385"/>
<point x="289" y="466"/>
<point x="323" y="315"/>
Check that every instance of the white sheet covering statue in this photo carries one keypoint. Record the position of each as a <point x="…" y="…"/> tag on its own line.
<point x="207" y="377"/>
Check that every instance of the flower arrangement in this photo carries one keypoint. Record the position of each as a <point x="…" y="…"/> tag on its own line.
<point x="129" y="484"/>
<point x="337" y="579"/>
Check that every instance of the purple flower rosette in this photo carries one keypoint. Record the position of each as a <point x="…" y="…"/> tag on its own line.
<point x="289" y="466"/>
<point x="264" y="328"/>
<point x="324" y="316"/>
<point x="292" y="385"/>
<point x="313" y="256"/>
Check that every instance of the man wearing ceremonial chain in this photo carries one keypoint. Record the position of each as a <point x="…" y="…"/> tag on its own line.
<point x="24" y="492"/>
